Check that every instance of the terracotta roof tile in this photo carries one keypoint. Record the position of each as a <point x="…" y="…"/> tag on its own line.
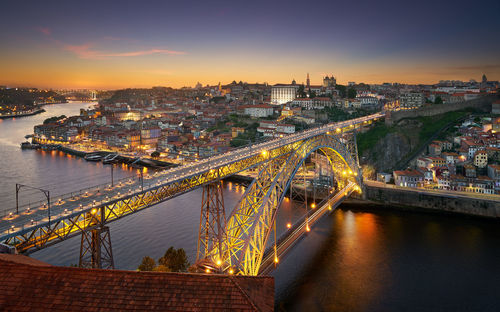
<point x="29" y="285"/>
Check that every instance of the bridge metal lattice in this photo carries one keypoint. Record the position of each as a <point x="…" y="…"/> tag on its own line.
<point x="249" y="225"/>
<point x="28" y="230"/>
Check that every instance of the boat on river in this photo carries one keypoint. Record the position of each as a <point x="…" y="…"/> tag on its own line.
<point x="110" y="159"/>
<point x="93" y="157"/>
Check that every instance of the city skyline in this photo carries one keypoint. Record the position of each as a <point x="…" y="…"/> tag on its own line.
<point x="85" y="45"/>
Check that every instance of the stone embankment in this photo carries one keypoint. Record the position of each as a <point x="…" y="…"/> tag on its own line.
<point x="481" y="205"/>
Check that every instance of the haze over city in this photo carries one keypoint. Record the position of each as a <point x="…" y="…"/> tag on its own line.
<point x="101" y="45"/>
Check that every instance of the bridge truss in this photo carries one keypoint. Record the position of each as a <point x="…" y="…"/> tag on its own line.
<point x="245" y="232"/>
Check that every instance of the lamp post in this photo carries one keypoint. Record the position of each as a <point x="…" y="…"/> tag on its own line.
<point x="45" y="192"/>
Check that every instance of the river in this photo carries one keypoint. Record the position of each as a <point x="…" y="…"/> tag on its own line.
<point x="371" y="260"/>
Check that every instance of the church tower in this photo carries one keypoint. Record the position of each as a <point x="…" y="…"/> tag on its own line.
<point x="308" y="82"/>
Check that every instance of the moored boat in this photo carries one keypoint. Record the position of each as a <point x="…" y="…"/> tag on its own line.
<point x="93" y="157"/>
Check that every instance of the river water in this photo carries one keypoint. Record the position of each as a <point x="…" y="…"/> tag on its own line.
<point x="371" y="260"/>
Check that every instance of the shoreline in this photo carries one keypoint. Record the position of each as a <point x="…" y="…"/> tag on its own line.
<point x="357" y="204"/>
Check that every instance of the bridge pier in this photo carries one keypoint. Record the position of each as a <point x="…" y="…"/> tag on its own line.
<point x="95" y="249"/>
<point x="211" y="236"/>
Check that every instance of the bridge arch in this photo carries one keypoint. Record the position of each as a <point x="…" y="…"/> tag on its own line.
<point x="249" y="225"/>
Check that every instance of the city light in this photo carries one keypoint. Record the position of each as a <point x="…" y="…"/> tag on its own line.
<point x="288" y="225"/>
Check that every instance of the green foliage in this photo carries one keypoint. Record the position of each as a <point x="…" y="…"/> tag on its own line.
<point x="337" y="114"/>
<point x="53" y="119"/>
<point x="342" y="90"/>
<point x="438" y="100"/>
<point x="147" y="264"/>
<point x="370" y="138"/>
<point x="155" y="154"/>
<point x="351" y="93"/>
<point x="175" y="260"/>
<point x="430" y="125"/>
<point x="301" y="92"/>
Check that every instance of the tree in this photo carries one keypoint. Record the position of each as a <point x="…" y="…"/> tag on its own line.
<point x="155" y="154"/>
<point x="342" y="90"/>
<point x="301" y="91"/>
<point x="438" y="100"/>
<point x="147" y="264"/>
<point x="175" y="260"/>
<point x="351" y="93"/>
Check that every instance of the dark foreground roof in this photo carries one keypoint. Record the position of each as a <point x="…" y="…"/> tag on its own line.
<point x="30" y="285"/>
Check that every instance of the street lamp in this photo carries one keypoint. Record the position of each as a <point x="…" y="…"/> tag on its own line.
<point x="45" y="192"/>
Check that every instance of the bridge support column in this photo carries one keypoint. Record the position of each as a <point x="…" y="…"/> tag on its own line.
<point x="211" y="236"/>
<point x="95" y="249"/>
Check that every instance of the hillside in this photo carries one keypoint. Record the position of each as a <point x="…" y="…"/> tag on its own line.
<point x="386" y="148"/>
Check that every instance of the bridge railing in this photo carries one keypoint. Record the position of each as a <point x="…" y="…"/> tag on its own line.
<point x="198" y="166"/>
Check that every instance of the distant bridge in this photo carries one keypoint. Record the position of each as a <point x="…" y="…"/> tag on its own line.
<point x="232" y="245"/>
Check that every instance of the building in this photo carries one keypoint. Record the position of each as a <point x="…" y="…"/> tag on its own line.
<point x="495" y="107"/>
<point x="259" y="111"/>
<point x="235" y="131"/>
<point x="283" y="93"/>
<point x="494" y="174"/>
<point x="411" y="99"/>
<point x="408" y="178"/>
<point x="275" y="129"/>
<point x="329" y="82"/>
<point x="481" y="159"/>
<point x="367" y="102"/>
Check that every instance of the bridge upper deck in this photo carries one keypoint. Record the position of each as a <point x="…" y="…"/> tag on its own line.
<point x="69" y="206"/>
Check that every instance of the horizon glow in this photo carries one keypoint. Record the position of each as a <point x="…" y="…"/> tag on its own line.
<point x="110" y="45"/>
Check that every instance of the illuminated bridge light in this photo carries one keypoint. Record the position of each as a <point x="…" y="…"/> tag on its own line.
<point x="231" y="271"/>
<point x="313" y="205"/>
<point x="276" y="260"/>
<point x="288" y="225"/>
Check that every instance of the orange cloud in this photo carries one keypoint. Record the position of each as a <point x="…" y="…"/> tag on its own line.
<point x="85" y="51"/>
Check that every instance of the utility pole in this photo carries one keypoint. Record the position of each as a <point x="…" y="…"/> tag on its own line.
<point x="112" y="181"/>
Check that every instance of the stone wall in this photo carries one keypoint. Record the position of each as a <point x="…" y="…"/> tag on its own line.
<point x="482" y="103"/>
<point x="415" y="199"/>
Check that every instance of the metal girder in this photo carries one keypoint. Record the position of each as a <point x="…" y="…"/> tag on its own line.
<point x="95" y="249"/>
<point x="68" y="219"/>
<point x="249" y="225"/>
<point x="211" y="234"/>
<point x="77" y="220"/>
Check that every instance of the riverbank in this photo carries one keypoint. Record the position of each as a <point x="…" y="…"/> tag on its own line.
<point x="24" y="114"/>
<point x="467" y="208"/>
<point x="127" y="160"/>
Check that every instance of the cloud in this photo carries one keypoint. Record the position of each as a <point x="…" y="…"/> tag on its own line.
<point x="44" y="30"/>
<point x="85" y="51"/>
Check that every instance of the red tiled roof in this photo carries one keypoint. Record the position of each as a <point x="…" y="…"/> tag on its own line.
<point x="25" y="285"/>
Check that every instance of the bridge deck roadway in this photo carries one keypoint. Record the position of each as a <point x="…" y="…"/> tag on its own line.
<point x="65" y="207"/>
<point x="289" y="238"/>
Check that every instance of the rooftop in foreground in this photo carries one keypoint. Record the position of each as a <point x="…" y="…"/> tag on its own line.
<point x="30" y="285"/>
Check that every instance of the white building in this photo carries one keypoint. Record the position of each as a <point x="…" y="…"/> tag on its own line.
<point x="368" y="102"/>
<point x="283" y="93"/>
<point x="259" y="111"/>
<point x="275" y="129"/>
<point x="412" y="99"/>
